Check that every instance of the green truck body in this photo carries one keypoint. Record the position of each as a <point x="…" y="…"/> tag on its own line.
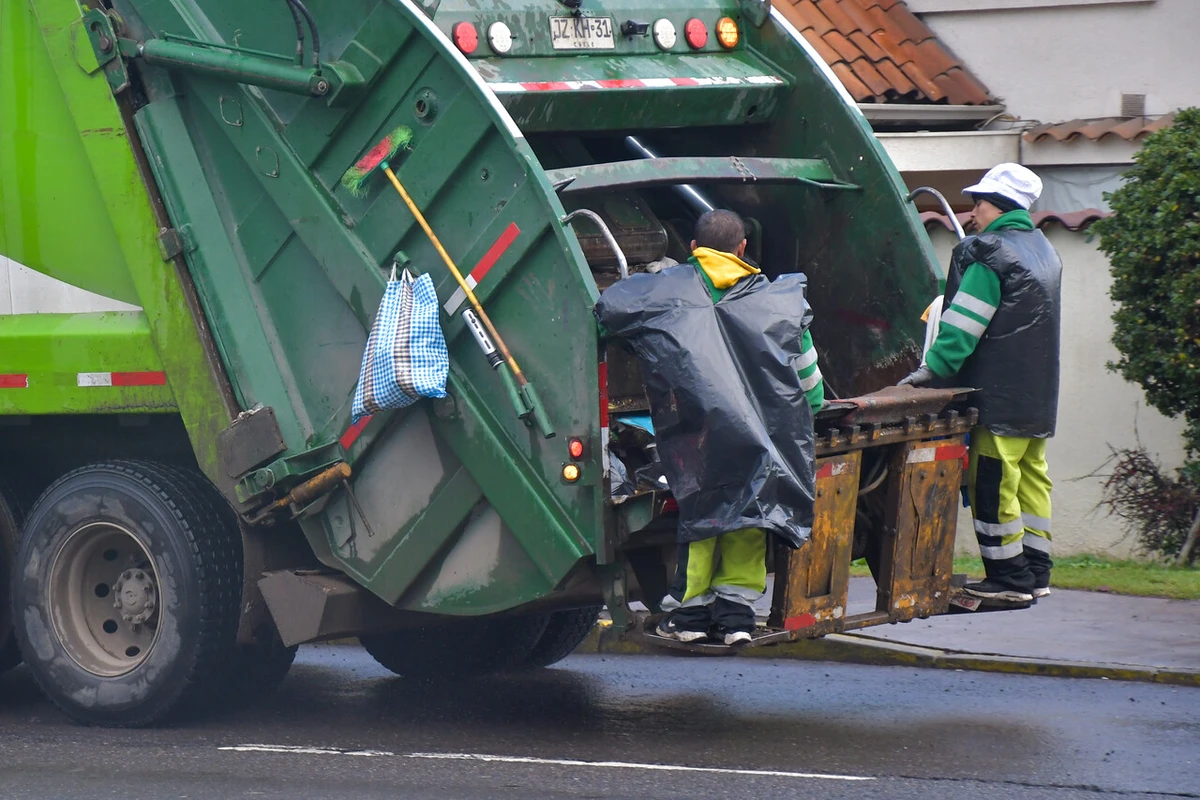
<point x="181" y="157"/>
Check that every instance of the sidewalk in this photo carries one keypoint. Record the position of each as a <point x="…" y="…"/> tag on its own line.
<point x="1069" y="634"/>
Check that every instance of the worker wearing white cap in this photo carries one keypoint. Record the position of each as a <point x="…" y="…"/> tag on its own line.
<point x="999" y="332"/>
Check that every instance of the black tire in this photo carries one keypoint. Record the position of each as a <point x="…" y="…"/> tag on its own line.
<point x="258" y="669"/>
<point x="565" y="630"/>
<point x="184" y="529"/>
<point x="458" y="649"/>
<point x="10" y="529"/>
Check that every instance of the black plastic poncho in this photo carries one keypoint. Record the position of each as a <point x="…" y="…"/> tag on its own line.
<point x="733" y="427"/>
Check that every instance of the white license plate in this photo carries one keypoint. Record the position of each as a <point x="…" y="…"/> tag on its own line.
<point x="582" y="33"/>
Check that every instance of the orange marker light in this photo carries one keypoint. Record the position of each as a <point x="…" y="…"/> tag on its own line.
<point x="695" y="33"/>
<point x="575" y="448"/>
<point x="570" y="473"/>
<point x="465" y="37"/>
<point x="727" y="32"/>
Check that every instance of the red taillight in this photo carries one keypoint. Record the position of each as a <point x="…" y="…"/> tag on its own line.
<point x="696" y="33"/>
<point x="575" y="448"/>
<point x="466" y="38"/>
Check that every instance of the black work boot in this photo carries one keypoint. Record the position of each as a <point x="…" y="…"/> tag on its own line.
<point x="1040" y="565"/>
<point x="1008" y="579"/>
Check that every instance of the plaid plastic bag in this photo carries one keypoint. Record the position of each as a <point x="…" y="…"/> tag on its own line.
<point x="406" y="356"/>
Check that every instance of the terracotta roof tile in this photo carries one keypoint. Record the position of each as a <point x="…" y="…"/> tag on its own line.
<point x="1071" y="220"/>
<point x="907" y="22"/>
<point x="924" y="83"/>
<point x="883" y="53"/>
<point x="860" y="17"/>
<point x="807" y="15"/>
<point x="895" y="53"/>
<point x="846" y="75"/>
<point x="845" y="48"/>
<point x="895" y="77"/>
<point x="885" y="21"/>
<point x="833" y="11"/>
<point x="870" y="76"/>
<point x="1127" y="128"/>
<point x="966" y="90"/>
<point x="868" y="47"/>
<point x="827" y="53"/>
<point x="933" y="58"/>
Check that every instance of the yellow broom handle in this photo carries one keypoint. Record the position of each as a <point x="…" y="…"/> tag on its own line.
<point x="512" y="362"/>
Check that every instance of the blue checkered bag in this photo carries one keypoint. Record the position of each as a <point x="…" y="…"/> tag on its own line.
<point x="406" y="356"/>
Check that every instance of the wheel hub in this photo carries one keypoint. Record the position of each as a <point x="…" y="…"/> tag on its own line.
<point x="135" y="596"/>
<point x="103" y="598"/>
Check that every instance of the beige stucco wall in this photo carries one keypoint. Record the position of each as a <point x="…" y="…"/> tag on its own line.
<point x="1097" y="408"/>
<point x="1053" y="61"/>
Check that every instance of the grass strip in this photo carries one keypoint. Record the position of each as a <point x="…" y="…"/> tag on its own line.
<point x="1101" y="574"/>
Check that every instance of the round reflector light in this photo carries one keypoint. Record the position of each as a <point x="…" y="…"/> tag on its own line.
<point x="727" y="32"/>
<point x="499" y="38"/>
<point x="570" y="473"/>
<point x="664" y="34"/>
<point x="575" y="448"/>
<point x="465" y="37"/>
<point x="695" y="33"/>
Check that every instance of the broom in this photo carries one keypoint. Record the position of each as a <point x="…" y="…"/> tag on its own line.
<point x="355" y="180"/>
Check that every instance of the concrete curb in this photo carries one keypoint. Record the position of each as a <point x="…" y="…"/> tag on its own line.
<point x="849" y="648"/>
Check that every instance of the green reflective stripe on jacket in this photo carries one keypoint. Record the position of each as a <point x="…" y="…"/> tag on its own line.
<point x="811" y="380"/>
<point x="965" y="321"/>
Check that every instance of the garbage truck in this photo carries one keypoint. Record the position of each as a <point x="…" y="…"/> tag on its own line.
<point x="184" y="496"/>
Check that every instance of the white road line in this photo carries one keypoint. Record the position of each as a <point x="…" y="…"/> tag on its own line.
<point x="551" y="762"/>
<point x="308" y="751"/>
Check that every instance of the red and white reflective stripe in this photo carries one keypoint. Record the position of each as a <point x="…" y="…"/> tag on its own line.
<point x="925" y="455"/>
<point x="831" y="469"/>
<point x="353" y="432"/>
<point x="121" y="379"/>
<point x="481" y="269"/>
<point x="13" y="381"/>
<point x="500" y="87"/>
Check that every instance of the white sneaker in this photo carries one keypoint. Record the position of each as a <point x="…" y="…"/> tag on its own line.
<point x="737" y="637"/>
<point x="1041" y="591"/>
<point x="668" y="630"/>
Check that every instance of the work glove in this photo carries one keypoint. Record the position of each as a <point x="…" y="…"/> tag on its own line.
<point x="921" y="375"/>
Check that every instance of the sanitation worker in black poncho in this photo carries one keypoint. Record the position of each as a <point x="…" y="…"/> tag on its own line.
<point x="733" y="381"/>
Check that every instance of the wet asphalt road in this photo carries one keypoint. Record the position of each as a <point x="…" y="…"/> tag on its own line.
<point x="341" y="727"/>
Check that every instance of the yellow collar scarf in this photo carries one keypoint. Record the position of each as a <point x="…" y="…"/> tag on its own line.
<point x="723" y="269"/>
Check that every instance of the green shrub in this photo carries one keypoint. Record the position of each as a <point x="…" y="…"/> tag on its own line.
<point x="1152" y="241"/>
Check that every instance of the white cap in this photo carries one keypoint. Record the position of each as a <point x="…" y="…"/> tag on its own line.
<point x="1012" y="181"/>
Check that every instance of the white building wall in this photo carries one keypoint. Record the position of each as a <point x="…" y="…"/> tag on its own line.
<point x="1057" y="60"/>
<point x="23" y="291"/>
<point x="1097" y="409"/>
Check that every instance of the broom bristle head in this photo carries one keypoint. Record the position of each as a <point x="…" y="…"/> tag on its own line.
<point x="355" y="178"/>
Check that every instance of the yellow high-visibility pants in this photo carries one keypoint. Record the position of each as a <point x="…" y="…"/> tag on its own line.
<point x="1009" y="489"/>
<point x="719" y="579"/>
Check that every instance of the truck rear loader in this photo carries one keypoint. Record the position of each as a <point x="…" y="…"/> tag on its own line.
<point x="184" y="496"/>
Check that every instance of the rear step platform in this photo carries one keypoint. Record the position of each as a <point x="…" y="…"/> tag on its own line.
<point x="644" y="631"/>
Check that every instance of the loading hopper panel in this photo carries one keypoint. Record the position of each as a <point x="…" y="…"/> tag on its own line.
<point x="291" y="269"/>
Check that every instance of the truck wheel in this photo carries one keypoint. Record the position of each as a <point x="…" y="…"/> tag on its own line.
<point x="565" y="630"/>
<point x="259" y="668"/>
<point x="458" y="649"/>
<point x="127" y="590"/>
<point x="9" y="534"/>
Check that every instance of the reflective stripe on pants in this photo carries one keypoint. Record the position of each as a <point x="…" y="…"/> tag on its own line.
<point x="1009" y="490"/>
